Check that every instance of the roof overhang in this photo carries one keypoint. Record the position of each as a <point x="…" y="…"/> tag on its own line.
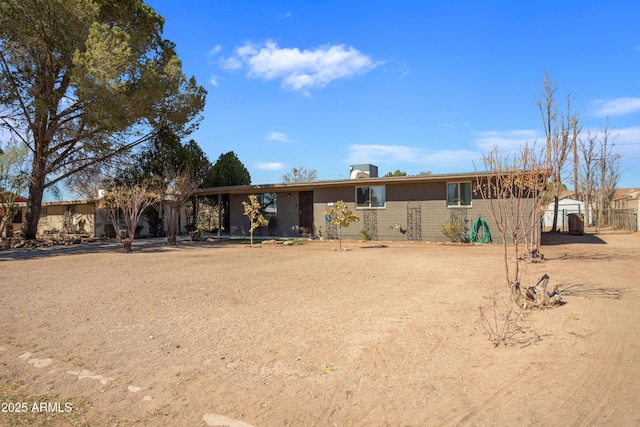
<point x="307" y="186"/>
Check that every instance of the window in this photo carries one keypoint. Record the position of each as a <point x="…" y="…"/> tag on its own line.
<point x="269" y="203"/>
<point x="44" y="213"/>
<point x="370" y="197"/>
<point x="17" y="216"/>
<point x="458" y="194"/>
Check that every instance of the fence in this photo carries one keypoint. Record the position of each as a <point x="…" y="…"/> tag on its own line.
<point x="624" y="219"/>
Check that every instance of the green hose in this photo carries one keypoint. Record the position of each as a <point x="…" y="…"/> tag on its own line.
<point x="480" y="232"/>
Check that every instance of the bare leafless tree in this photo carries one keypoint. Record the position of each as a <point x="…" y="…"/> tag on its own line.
<point x="130" y="201"/>
<point x="177" y="187"/>
<point x="586" y="181"/>
<point x="562" y="131"/>
<point x="512" y="188"/>
<point x="608" y="167"/>
<point x="300" y="174"/>
<point x="599" y="173"/>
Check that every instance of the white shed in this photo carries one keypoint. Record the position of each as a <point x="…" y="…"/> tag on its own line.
<point x="565" y="207"/>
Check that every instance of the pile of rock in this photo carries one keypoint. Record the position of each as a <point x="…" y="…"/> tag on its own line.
<point x="45" y="243"/>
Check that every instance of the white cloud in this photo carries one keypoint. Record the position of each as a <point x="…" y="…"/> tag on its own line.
<point x="299" y="70"/>
<point x="445" y="160"/>
<point x="230" y="63"/>
<point x="216" y="49"/>
<point x="616" y="107"/>
<point x="627" y="136"/>
<point x="214" y="80"/>
<point x="272" y="166"/>
<point x="396" y="155"/>
<point x="277" y="136"/>
<point x="505" y="140"/>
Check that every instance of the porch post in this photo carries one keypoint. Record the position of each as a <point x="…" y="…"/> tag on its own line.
<point x="219" y="217"/>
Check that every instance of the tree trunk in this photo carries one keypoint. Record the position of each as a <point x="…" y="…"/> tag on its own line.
<point x="556" y="203"/>
<point x="36" y="191"/>
<point x="536" y="296"/>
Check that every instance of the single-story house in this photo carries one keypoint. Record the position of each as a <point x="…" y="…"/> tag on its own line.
<point x="389" y="208"/>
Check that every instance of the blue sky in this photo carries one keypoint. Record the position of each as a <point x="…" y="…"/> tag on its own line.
<point x="410" y="85"/>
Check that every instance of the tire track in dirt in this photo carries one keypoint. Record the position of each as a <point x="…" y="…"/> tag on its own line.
<point x="613" y="368"/>
<point x="496" y="397"/>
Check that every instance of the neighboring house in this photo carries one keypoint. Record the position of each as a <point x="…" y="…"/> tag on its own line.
<point x="73" y="217"/>
<point x="625" y="208"/>
<point x="17" y="213"/>
<point x="390" y="208"/>
<point x="83" y="217"/>
<point x="88" y="218"/>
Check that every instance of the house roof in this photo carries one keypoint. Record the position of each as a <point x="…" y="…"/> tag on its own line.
<point x="68" y="202"/>
<point x="305" y="186"/>
<point x="19" y="198"/>
<point x="626" y="193"/>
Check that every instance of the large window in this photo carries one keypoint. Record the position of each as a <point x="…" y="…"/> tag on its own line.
<point x="370" y="197"/>
<point x="459" y="194"/>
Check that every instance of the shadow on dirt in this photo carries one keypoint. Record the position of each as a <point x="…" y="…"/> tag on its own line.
<point x="585" y="291"/>
<point x="142" y="246"/>
<point x="597" y="256"/>
<point x="550" y="239"/>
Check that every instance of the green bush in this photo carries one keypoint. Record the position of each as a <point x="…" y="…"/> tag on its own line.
<point x="454" y="232"/>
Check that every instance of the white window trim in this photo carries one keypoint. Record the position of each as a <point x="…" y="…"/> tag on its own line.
<point x="469" y="206"/>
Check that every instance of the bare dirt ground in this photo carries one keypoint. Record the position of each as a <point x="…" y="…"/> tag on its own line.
<point x="220" y="334"/>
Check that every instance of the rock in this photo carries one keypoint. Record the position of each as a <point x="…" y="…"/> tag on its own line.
<point x="288" y="243"/>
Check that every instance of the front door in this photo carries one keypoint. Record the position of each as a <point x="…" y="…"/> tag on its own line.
<point x="305" y="209"/>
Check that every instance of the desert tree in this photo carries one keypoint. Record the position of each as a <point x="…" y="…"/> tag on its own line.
<point x="340" y="215"/>
<point x="14" y="180"/>
<point x="129" y="201"/>
<point x="253" y="211"/>
<point x="81" y="81"/>
<point x="300" y="174"/>
<point x="562" y="130"/>
<point x="512" y="187"/>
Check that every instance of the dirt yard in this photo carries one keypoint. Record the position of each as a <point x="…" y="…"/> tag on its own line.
<point x="220" y="334"/>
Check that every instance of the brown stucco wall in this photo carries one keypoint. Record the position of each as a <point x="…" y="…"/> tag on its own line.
<point x="434" y="212"/>
<point x="286" y="218"/>
<point x="391" y="221"/>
